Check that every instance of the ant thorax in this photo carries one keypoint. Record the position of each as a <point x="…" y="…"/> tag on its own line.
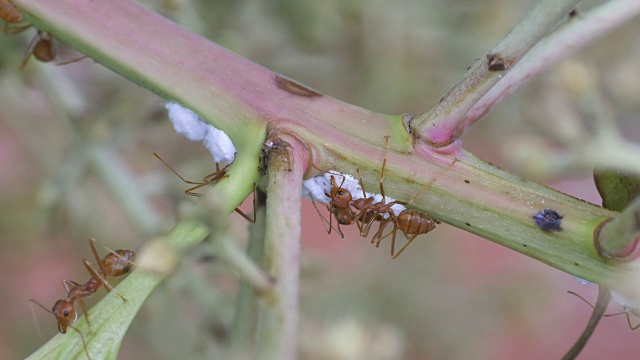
<point x="320" y="185"/>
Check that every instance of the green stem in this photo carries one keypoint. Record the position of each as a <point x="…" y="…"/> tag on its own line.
<point x="618" y="239"/>
<point x="246" y="303"/>
<point x="604" y="296"/>
<point x="442" y="123"/>
<point x="126" y="189"/>
<point x="571" y="37"/>
<point x="245" y="100"/>
<point x="277" y="326"/>
<point x="110" y="318"/>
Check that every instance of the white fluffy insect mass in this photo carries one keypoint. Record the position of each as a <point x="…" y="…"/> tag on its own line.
<point x="188" y="124"/>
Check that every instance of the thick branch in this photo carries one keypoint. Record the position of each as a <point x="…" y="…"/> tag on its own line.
<point x="244" y="99"/>
<point x="439" y="126"/>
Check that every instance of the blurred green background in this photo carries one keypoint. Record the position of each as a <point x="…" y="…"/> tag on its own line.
<point x="76" y="161"/>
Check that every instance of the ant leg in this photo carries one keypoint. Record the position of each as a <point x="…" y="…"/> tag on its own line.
<point x="96" y="275"/>
<point x="404" y="247"/>
<point x="378" y="237"/>
<point x="71" y="61"/>
<point x="364" y="194"/>
<point x="255" y="199"/>
<point x="35" y="319"/>
<point x="324" y="220"/>
<point x="175" y="172"/>
<point x="84" y="342"/>
<point x="111" y="251"/>
<point x="628" y="319"/>
<point x="32" y="46"/>
<point x="85" y="312"/>
<point x="384" y="164"/>
<point x="430" y="182"/>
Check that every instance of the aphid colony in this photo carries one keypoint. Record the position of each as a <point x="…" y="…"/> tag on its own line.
<point x="114" y="264"/>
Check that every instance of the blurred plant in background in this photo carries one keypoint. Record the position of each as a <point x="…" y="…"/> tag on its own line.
<point x="76" y="146"/>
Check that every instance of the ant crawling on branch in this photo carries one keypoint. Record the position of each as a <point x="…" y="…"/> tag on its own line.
<point x="114" y="264"/>
<point x="411" y="222"/>
<point x="213" y="179"/>
<point x="42" y="46"/>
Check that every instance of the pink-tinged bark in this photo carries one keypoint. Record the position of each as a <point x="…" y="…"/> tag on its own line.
<point x="246" y="100"/>
<point x="440" y="125"/>
<point x="577" y="33"/>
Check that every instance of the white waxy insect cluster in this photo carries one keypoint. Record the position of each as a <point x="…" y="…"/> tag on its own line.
<point x="190" y="125"/>
<point x="321" y="184"/>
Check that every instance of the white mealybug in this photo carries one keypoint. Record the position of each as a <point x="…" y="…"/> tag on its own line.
<point x="626" y="304"/>
<point x="581" y="281"/>
<point x="191" y="126"/>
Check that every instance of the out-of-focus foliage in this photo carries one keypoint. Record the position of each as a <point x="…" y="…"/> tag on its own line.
<point x="450" y="295"/>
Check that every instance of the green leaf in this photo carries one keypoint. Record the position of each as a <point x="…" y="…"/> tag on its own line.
<point x="616" y="188"/>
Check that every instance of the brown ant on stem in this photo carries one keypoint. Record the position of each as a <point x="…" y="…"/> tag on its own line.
<point x="411" y="222"/>
<point x="114" y="264"/>
<point x="10" y="13"/>
<point x="213" y="178"/>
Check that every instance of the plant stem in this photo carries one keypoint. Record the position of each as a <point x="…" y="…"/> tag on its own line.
<point x="577" y="33"/>
<point x="619" y="238"/>
<point x="604" y="296"/>
<point x="245" y="311"/>
<point x="443" y="123"/>
<point x="110" y="318"/>
<point x="125" y="188"/>
<point x="245" y="100"/>
<point x="277" y="325"/>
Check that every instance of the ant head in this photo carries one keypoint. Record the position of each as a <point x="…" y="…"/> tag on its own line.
<point x="340" y="196"/>
<point x="65" y="313"/>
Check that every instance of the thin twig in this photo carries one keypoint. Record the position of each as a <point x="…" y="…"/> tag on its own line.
<point x="441" y="124"/>
<point x="577" y="33"/>
<point x="604" y="296"/>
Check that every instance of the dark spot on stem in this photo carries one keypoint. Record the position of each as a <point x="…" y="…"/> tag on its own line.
<point x="524" y="245"/>
<point x="293" y="87"/>
<point x="467" y="181"/>
<point x="576" y="264"/>
<point x="573" y="13"/>
<point x="548" y="220"/>
<point x="496" y="62"/>
<point x="467" y="224"/>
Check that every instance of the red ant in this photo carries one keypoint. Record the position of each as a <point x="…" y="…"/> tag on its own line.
<point x="42" y="46"/>
<point x="10" y="13"/>
<point x="411" y="222"/>
<point x="116" y="263"/>
<point x="213" y="178"/>
<point x="626" y="313"/>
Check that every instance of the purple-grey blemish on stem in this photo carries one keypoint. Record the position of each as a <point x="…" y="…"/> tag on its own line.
<point x="548" y="220"/>
<point x="496" y="62"/>
<point x="293" y="87"/>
